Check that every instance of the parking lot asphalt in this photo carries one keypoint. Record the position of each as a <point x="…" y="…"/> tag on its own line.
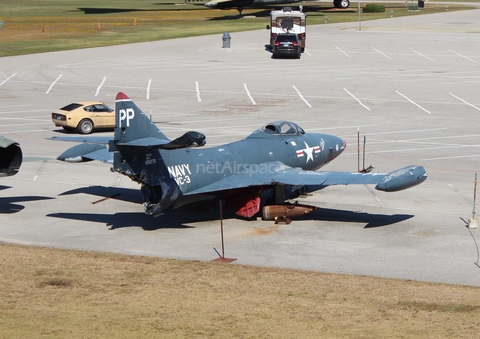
<point x="409" y="85"/>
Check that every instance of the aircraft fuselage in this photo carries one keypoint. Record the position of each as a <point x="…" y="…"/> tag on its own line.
<point x="173" y="178"/>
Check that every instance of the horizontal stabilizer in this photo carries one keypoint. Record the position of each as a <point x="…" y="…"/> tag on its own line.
<point x="87" y="152"/>
<point x="144" y="142"/>
<point x="89" y="139"/>
<point x="402" y="178"/>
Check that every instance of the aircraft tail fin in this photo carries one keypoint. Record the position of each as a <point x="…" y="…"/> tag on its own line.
<point x="133" y="127"/>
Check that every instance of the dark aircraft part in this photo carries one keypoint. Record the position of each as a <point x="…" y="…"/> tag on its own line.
<point x="10" y="157"/>
<point x="159" y="198"/>
<point x="279" y="194"/>
<point x="402" y="178"/>
<point x="78" y="152"/>
<point x="189" y="139"/>
<point x="285" y="213"/>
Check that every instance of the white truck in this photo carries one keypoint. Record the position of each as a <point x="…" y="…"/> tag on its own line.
<point x="287" y="20"/>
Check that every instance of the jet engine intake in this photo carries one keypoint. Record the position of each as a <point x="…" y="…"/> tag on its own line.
<point x="10" y="157"/>
<point x="159" y="198"/>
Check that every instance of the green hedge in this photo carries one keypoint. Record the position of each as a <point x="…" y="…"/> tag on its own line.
<point x="373" y="8"/>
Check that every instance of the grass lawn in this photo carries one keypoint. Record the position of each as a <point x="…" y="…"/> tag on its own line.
<point x="41" y="26"/>
<point x="51" y="293"/>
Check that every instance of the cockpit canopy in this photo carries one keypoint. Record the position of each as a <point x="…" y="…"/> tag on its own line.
<point x="279" y="127"/>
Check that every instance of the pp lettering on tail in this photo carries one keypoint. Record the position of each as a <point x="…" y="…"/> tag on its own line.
<point x="126" y="115"/>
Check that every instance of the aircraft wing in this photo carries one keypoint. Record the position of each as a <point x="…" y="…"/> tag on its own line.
<point x="87" y="152"/>
<point x="274" y="173"/>
<point x="89" y="139"/>
<point x="95" y="148"/>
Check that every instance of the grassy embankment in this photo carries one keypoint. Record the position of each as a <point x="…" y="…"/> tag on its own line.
<point x="50" y="293"/>
<point x="42" y="26"/>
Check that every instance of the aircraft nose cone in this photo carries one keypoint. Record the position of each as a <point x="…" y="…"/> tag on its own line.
<point x="344" y="144"/>
<point x="341" y="145"/>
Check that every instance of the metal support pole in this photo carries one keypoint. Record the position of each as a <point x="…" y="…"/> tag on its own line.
<point x="222" y="256"/>
<point x="473" y="222"/>
<point x="364" y="146"/>
<point x="221" y="230"/>
<point x="358" y="148"/>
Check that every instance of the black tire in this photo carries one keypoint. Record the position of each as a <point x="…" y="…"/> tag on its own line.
<point x="85" y="126"/>
<point x="343" y="4"/>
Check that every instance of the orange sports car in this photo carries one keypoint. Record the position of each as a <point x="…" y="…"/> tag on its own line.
<point x="84" y="116"/>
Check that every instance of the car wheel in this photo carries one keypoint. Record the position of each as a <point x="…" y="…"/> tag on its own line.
<point x="342" y="4"/>
<point x="85" y="126"/>
<point x="68" y="129"/>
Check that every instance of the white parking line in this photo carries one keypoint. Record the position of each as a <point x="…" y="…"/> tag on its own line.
<point x="463" y="56"/>
<point x="23" y="131"/>
<point x="305" y="51"/>
<point x="455" y="157"/>
<point x="301" y="96"/>
<point x="386" y="56"/>
<point x="100" y="86"/>
<point x="353" y="96"/>
<point x="4" y="81"/>
<point x="423" y="55"/>
<point x="148" y="89"/>
<point x="414" y="103"/>
<point x="410" y="131"/>
<point x="53" y="84"/>
<point x="29" y="111"/>
<point x="469" y="104"/>
<point x="197" y="88"/>
<point x="452" y="139"/>
<point x="409" y="150"/>
<point x="42" y="122"/>
<point x="248" y="93"/>
<point x="343" y="51"/>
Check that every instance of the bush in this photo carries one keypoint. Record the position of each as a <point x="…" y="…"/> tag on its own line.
<point x="373" y="8"/>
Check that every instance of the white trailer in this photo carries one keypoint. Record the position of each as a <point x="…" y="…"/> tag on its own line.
<point x="287" y="20"/>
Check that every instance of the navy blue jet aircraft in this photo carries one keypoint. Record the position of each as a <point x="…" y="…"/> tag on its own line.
<point x="280" y="157"/>
<point x="10" y="157"/>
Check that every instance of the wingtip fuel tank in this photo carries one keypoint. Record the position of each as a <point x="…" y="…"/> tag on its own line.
<point x="402" y="178"/>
